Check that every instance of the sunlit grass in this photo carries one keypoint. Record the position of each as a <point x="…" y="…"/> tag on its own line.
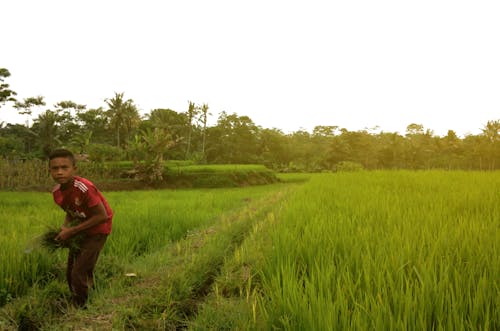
<point x="387" y="250"/>
<point x="382" y="250"/>
<point x="143" y="222"/>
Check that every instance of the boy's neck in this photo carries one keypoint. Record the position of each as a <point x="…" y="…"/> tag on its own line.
<point x="67" y="185"/>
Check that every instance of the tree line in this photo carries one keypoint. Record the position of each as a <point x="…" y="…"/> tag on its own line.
<point x="116" y="131"/>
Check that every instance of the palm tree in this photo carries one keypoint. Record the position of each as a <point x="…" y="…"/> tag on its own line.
<point x="191" y="113"/>
<point x="204" y="115"/>
<point x="46" y="129"/>
<point x="123" y="115"/>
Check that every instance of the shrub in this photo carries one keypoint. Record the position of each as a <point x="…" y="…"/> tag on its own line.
<point x="103" y="152"/>
<point x="348" y="166"/>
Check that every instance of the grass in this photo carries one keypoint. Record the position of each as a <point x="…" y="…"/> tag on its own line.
<point x="149" y="220"/>
<point x="393" y="250"/>
<point x="387" y="250"/>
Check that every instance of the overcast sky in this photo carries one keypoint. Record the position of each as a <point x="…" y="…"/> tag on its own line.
<point x="286" y="64"/>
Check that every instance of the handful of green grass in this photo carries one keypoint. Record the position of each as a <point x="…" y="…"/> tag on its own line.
<point x="48" y="239"/>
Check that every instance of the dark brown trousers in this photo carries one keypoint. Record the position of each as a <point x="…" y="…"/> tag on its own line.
<point x="81" y="264"/>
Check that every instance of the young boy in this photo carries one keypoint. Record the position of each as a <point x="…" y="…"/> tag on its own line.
<point x="88" y="213"/>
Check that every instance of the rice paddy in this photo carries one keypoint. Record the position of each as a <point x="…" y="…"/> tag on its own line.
<point x="381" y="250"/>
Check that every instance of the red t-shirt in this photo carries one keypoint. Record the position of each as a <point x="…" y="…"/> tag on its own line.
<point x="77" y="200"/>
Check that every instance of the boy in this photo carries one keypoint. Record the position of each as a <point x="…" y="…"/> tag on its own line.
<point x="88" y="213"/>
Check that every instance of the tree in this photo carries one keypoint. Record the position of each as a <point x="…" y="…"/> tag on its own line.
<point x="450" y="151"/>
<point x="25" y="107"/>
<point x="46" y="129"/>
<point x="66" y="112"/>
<point x="95" y="121"/>
<point x="154" y="143"/>
<point x="325" y="131"/>
<point x="302" y="151"/>
<point x="123" y="116"/>
<point x="491" y="132"/>
<point x="25" y="137"/>
<point x="81" y="140"/>
<point x="322" y="137"/>
<point x="6" y="94"/>
<point x="421" y="146"/>
<point x="233" y="140"/>
<point x="274" y="149"/>
<point x="204" y="116"/>
<point x="191" y="114"/>
<point x="391" y="150"/>
<point x="175" y="123"/>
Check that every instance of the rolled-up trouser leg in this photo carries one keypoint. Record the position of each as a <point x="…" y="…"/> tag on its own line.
<point x="81" y="274"/>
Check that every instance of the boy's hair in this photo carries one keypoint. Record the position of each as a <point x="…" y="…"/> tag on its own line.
<point x="61" y="152"/>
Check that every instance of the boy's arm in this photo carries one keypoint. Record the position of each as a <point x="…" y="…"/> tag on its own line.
<point x="98" y="216"/>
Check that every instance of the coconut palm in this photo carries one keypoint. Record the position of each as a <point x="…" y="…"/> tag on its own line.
<point x="46" y="129"/>
<point x="191" y="114"/>
<point x="123" y="116"/>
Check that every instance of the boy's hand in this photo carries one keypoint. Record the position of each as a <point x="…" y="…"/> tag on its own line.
<point x="65" y="234"/>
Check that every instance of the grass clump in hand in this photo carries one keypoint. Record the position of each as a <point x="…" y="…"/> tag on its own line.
<point x="48" y="239"/>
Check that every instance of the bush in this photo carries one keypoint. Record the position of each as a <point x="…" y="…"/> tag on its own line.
<point x="103" y="152"/>
<point x="348" y="166"/>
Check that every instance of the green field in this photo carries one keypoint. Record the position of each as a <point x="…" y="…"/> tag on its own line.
<point x="388" y="250"/>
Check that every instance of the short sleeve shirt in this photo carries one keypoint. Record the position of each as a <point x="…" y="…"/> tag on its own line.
<point x="77" y="200"/>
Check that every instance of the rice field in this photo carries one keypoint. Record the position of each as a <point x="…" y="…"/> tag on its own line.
<point x="387" y="251"/>
<point x="381" y="250"/>
<point x="143" y="221"/>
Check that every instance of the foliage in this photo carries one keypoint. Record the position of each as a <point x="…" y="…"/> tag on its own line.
<point x="104" y="152"/>
<point x="32" y="174"/>
<point x="123" y="117"/>
<point x="154" y="144"/>
<point x="25" y="107"/>
<point x="236" y="139"/>
<point x="6" y="94"/>
<point x="348" y="166"/>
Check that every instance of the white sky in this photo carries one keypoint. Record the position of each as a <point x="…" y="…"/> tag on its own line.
<point x="286" y="64"/>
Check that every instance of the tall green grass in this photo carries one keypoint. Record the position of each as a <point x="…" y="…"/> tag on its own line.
<point x="144" y="221"/>
<point x="22" y="218"/>
<point x="387" y="251"/>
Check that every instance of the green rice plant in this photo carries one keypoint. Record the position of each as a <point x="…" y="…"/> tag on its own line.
<point x="48" y="239"/>
<point x="144" y="222"/>
<point x="394" y="250"/>
<point x="387" y="250"/>
<point x="232" y="305"/>
<point x="24" y="216"/>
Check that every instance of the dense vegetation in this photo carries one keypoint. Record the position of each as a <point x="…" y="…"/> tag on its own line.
<point x="32" y="175"/>
<point x="116" y="131"/>
<point x="369" y="250"/>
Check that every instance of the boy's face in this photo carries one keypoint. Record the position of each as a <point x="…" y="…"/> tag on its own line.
<point x="62" y="169"/>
